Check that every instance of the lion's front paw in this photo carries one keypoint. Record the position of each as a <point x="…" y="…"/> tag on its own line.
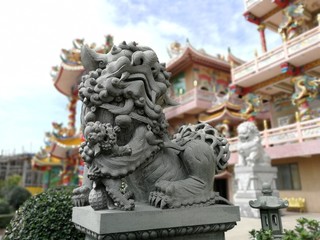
<point x="183" y="193"/>
<point x="80" y="196"/>
<point x="160" y="200"/>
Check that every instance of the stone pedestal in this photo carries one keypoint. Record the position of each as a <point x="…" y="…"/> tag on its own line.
<point x="147" y="222"/>
<point x="249" y="182"/>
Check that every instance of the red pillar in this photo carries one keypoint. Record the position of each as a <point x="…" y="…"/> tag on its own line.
<point x="261" y="29"/>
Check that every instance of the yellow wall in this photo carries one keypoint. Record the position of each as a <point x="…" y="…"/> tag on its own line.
<point x="310" y="178"/>
<point x="35" y="190"/>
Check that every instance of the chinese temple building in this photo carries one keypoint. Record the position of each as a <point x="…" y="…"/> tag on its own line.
<point x="60" y="160"/>
<point x="200" y="83"/>
<point x="278" y="90"/>
<point x="287" y="79"/>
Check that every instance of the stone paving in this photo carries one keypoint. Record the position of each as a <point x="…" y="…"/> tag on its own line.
<point x="241" y="231"/>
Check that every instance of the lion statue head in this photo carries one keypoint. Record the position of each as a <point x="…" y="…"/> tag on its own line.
<point x="247" y="131"/>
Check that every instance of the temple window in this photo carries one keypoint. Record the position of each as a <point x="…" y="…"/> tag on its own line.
<point x="288" y="177"/>
<point x="179" y="85"/>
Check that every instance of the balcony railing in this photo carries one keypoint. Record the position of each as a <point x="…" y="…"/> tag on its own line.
<point x="293" y="133"/>
<point x="193" y="101"/>
<point x="195" y="94"/>
<point x="285" y="52"/>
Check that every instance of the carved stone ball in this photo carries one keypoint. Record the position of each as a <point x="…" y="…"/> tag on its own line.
<point x="98" y="198"/>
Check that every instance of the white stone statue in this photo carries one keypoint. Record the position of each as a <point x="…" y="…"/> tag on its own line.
<point x="250" y="149"/>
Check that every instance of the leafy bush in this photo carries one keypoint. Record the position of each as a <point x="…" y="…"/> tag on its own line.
<point x="17" y="196"/>
<point x="5" y="213"/>
<point x="306" y="229"/>
<point x="261" y="235"/>
<point x="4" y="207"/>
<point x="7" y="185"/>
<point x="5" y="219"/>
<point x="44" y="216"/>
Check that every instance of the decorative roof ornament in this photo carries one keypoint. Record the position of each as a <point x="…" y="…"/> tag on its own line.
<point x="175" y="49"/>
<point x="233" y="60"/>
<point x="54" y="71"/>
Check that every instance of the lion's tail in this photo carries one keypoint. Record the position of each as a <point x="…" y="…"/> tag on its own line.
<point x="212" y="137"/>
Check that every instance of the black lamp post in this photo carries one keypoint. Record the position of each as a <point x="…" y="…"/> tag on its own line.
<point x="269" y="207"/>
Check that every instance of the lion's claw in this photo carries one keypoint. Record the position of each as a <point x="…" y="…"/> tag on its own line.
<point x="80" y="196"/>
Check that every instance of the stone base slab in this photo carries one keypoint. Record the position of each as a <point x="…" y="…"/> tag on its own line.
<point x="249" y="184"/>
<point x="147" y="222"/>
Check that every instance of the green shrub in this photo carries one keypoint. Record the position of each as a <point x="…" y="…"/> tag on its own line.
<point x="5" y="213"/>
<point x="44" y="216"/>
<point x="306" y="229"/>
<point x="5" y="219"/>
<point x="7" y="185"/>
<point x="17" y="196"/>
<point x="4" y="207"/>
<point x="261" y="235"/>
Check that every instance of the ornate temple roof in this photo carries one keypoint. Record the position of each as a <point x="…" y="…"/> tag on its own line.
<point x="224" y="111"/>
<point x="185" y="56"/>
<point x="67" y="76"/>
<point x="46" y="162"/>
<point x="226" y="104"/>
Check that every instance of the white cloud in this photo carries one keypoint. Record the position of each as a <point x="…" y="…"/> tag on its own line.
<point x="34" y="31"/>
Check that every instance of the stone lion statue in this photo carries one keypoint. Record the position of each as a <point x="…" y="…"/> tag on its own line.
<point x="250" y="149"/>
<point x="126" y="138"/>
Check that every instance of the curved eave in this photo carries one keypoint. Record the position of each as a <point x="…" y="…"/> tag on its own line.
<point x="222" y="115"/>
<point x="216" y="108"/>
<point x="233" y="106"/>
<point x="227" y="105"/>
<point x="46" y="162"/>
<point x="190" y="55"/>
<point x="63" y="151"/>
<point x="68" y="141"/>
<point x="235" y="60"/>
<point x="68" y="78"/>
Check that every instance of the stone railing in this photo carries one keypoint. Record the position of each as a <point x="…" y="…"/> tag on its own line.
<point x="195" y="99"/>
<point x="195" y="94"/>
<point x="281" y="54"/>
<point x="293" y="133"/>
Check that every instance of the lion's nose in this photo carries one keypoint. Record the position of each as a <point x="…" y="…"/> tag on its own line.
<point x="137" y="58"/>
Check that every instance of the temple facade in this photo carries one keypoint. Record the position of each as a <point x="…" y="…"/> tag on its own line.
<point x="59" y="160"/>
<point x="278" y="90"/>
<point x="200" y="84"/>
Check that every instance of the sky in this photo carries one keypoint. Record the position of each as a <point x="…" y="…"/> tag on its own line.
<point x="33" y="32"/>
